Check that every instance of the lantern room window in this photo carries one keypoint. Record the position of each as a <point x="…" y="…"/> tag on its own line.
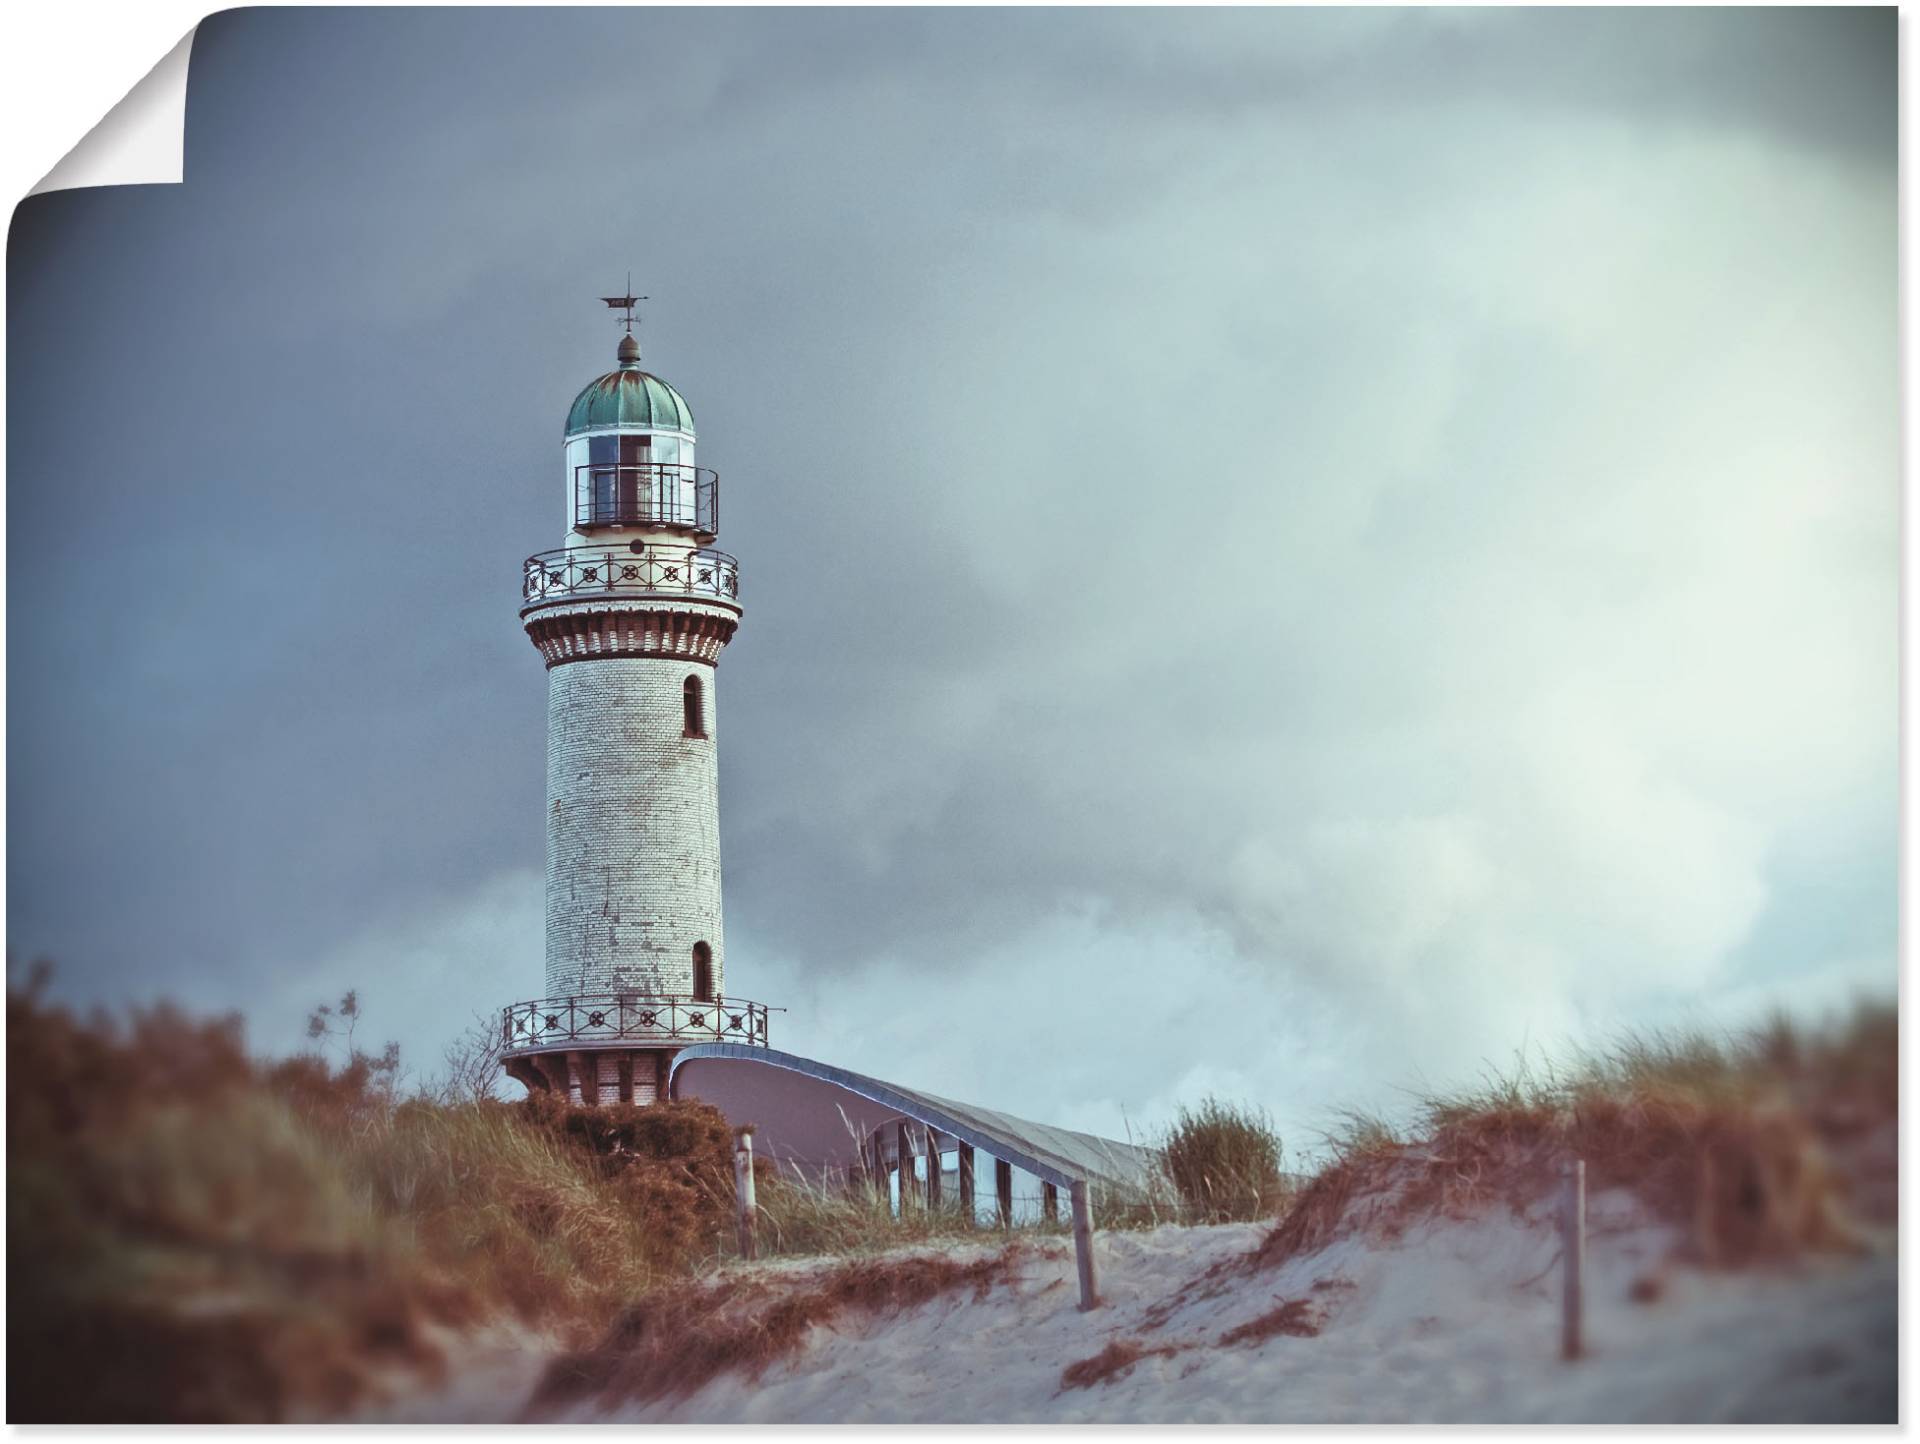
<point x="632" y="479"/>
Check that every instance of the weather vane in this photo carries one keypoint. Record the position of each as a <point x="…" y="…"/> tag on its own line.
<point x="625" y="303"/>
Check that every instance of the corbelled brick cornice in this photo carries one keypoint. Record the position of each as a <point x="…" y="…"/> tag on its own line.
<point x="638" y="630"/>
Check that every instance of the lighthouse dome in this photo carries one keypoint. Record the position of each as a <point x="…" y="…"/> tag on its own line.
<point x="629" y="397"/>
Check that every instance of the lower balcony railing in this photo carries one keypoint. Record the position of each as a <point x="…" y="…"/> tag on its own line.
<point x="632" y="1018"/>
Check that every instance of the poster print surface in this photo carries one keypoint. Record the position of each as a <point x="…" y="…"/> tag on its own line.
<point x="1276" y="567"/>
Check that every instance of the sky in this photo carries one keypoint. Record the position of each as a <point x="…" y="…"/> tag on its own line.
<point x="1293" y="554"/>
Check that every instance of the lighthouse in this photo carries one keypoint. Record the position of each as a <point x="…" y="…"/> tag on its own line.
<point x="630" y="616"/>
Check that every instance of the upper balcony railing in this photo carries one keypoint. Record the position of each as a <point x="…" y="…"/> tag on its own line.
<point x="579" y="573"/>
<point x="632" y="1018"/>
<point x="648" y="493"/>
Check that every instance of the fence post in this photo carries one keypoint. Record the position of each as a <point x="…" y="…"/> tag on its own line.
<point x="1083" y="1244"/>
<point x="1003" y="1191"/>
<point x="743" y="1191"/>
<point x="1573" y="1251"/>
<point x="1049" y="1203"/>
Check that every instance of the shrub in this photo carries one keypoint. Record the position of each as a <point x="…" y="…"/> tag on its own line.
<point x="1224" y="1161"/>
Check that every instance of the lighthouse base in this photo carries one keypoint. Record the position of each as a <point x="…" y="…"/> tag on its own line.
<point x="590" y="1077"/>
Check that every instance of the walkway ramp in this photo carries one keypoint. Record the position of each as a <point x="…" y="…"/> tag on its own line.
<point x="815" y="1118"/>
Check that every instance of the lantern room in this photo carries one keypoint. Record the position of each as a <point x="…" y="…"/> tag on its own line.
<point x="630" y="464"/>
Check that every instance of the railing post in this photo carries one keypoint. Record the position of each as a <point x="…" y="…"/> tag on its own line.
<point x="933" y="1169"/>
<point x="967" y="1206"/>
<point x="1083" y="1244"/>
<point x="1003" y="1191"/>
<point x="903" y="1153"/>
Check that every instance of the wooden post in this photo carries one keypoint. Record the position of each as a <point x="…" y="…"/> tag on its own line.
<point x="933" y="1170"/>
<point x="903" y="1149"/>
<point x="876" y="1162"/>
<point x="1049" y="1203"/>
<point x="1083" y="1244"/>
<point x="966" y="1184"/>
<point x="1573" y="1249"/>
<point x="1003" y="1191"/>
<point x="743" y="1191"/>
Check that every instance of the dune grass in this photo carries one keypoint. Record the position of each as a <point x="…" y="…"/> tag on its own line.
<point x="1223" y="1160"/>
<point x="801" y="1218"/>
<point x="247" y="1240"/>
<point x="1732" y="1137"/>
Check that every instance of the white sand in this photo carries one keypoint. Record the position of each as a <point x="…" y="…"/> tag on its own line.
<point x="1457" y="1321"/>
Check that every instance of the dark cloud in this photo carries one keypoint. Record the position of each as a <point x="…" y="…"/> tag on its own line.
<point x="1388" y="508"/>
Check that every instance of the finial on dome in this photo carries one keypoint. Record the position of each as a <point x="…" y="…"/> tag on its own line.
<point x="629" y="352"/>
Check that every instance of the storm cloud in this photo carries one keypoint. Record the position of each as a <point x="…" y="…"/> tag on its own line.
<point x="1290" y="552"/>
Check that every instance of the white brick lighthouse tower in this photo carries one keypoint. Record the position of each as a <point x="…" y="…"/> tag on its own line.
<point x="631" y="616"/>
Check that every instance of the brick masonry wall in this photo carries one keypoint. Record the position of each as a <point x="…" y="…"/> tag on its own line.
<point x="633" y="828"/>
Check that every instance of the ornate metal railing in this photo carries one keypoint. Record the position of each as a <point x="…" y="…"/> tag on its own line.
<point x="635" y="570"/>
<point x="632" y="1018"/>
<point x="646" y="493"/>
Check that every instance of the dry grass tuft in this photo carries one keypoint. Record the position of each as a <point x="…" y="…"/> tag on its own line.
<point x="1296" y="1318"/>
<point x="800" y="1218"/>
<point x="676" y="1339"/>
<point x="1115" y="1361"/>
<point x="1223" y="1160"/>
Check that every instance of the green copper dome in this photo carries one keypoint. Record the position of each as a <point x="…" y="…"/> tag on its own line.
<point x="629" y="397"/>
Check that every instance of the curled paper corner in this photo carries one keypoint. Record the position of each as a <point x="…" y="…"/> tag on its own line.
<point x="141" y="141"/>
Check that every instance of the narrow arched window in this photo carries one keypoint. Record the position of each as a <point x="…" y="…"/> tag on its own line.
<point x="702" y="973"/>
<point x="695" y="708"/>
